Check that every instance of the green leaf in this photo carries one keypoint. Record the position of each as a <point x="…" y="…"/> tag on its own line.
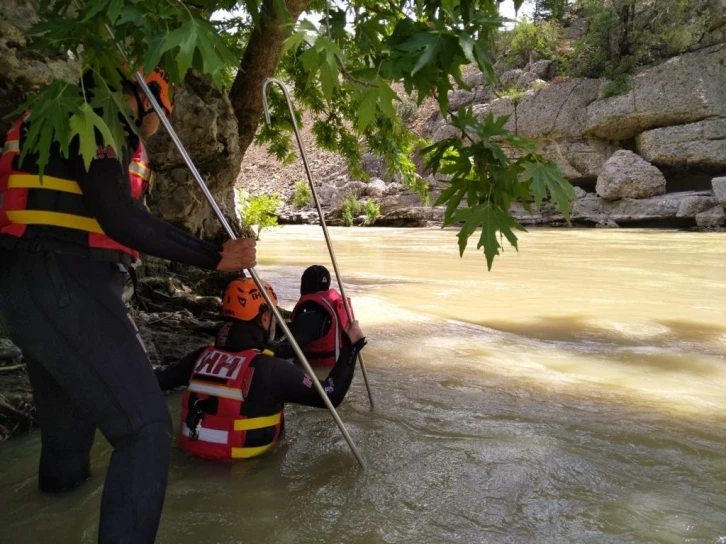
<point x="84" y="123"/>
<point x="367" y="108"/>
<point x="546" y="177"/>
<point x="293" y="42"/>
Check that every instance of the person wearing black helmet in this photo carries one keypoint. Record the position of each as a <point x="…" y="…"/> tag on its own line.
<point x="66" y="241"/>
<point x="318" y="320"/>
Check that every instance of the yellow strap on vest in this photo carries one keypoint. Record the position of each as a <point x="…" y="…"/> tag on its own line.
<point x="245" y="453"/>
<point x="266" y="352"/>
<point x="30" y="181"/>
<point x="257" y="422"/>
<point x="55" y="219"/>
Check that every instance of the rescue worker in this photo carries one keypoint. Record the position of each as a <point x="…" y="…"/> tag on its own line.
<point x="65" y="244"/>
<point x="317" y="321"/>
<point x="233" y="406"/>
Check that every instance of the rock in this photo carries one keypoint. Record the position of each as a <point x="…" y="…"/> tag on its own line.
<point x="557" y="111"/>
<point x="681" y="90"/>
<point x="509" y="79"/>
<point x="9" y="352"/>
<point x="475" y="79"/>
<point x="693" y="205"/>
<point x="719" y="190"/>
<point x="576" y="29"/>
<point x="373" y="165"/>
<point x="580" y="192"/>
<point x="606" y="223"/>
<point x="460" y="98"/>
<point x="526" y="80"/>
<point x="417" y="216"/>
<point x="329" y="196"/>
<point x="579" y="159"/>
<point x="540" y="68"/>
<point x="700" y="144"/>
<point x="711" y="218"/>
<point x="23" y="71"/>
<point x="626" y="175"/>
<point x="205" y="122"/>
<point x="376" y="188"/>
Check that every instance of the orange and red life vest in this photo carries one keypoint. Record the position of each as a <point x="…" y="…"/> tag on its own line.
<point x="212" y="424"/>
<point x="325" y="351"/>
<point x="21" y="195"/>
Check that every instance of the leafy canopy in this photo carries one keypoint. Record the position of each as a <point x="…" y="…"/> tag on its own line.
<point x="343" y="61"/>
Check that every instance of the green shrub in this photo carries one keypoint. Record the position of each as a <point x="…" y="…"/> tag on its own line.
<point x="260" y="211"/>
<point x="302" y="195"/>
<point x="527" y="37"/>
<point x="405" y="109"/>
<point x="621" y="84"/>
<point x="351" y="210"/>
<point x="373" y="211"/>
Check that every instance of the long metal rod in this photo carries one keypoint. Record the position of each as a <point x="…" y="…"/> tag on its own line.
<point x="328" y="241"/>
<point x="210" y="198"/>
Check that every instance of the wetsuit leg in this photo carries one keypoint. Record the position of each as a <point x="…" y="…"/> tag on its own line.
<point x="66" y="314"/>
<point x="66" y="434"/>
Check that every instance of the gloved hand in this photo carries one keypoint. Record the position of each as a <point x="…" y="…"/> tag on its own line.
<point x="353" y="331"/>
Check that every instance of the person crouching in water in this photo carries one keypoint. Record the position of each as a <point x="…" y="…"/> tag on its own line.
<point x="233" y="406"/>
<point x="318" y="320"/>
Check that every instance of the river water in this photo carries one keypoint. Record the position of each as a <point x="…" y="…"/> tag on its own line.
<point x="575" y="393"/>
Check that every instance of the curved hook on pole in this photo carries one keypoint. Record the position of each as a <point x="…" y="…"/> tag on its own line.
<point x="210" y="198"/>
<point x="328" y="241"/>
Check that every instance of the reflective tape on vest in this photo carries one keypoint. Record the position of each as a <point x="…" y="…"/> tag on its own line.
<point x="213" y="436"/>
<point x="11" y="146"/>
<point x="244" y="453"/>
<point x="31" y="181"/>
<point x="215" y="390"/>
<point x="257" y="422"/>
<point x="55" y="219"/>
<point x="140" y="170"/>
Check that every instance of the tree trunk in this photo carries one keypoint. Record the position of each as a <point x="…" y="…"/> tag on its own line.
<point x="259" y="61"/>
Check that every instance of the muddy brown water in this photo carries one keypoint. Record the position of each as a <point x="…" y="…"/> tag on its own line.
<point x="576" y="393"/>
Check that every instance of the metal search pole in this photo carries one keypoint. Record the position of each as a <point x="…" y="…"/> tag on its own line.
<point x="210" y="198"/>
<point x="282" y="86"/>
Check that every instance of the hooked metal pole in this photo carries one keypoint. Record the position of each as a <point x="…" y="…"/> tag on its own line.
<point x="282" y="86"/>
<point x="210" y="198"/>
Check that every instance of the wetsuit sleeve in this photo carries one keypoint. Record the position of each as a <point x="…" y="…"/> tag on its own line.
<point x="177" y="374"/>
<point x="306" y="327"/>
<point x="108" y="197"/>
<point x="290" y="384"/>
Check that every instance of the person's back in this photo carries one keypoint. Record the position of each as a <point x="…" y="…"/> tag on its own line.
<point x="318" y="319"/>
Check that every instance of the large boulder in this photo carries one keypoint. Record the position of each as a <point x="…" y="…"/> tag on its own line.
<point x="205" y="123"/>
<point x="700" y="144"/>
<point x="681" y="90"/>
<point x="626" y="175"/>
<point x="693" y="205"/>
<point x="579" y="159"/>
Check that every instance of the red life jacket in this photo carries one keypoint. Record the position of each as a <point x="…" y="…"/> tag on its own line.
<point x="212" y="426"/>
<point x="325" y="351"/>
<point x="18" y="189"/>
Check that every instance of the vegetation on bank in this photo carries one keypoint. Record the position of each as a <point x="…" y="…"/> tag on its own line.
<point x="257" y="211"/>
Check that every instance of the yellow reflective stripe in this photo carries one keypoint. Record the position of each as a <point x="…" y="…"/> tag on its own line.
<point x="244" y="453"/>
<point x="257" y="422"/>
<point x="140" y="170"/>
<point x="216" y="390"/>
<point x="11" y="146"/>
<point x="54" y="219"/>
<point x="30" y="181"/>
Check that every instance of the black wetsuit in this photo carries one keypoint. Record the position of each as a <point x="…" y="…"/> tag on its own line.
<point x="276" y="381"/>
<point x="311" y="322"/>
<point x="86" y="362"/>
